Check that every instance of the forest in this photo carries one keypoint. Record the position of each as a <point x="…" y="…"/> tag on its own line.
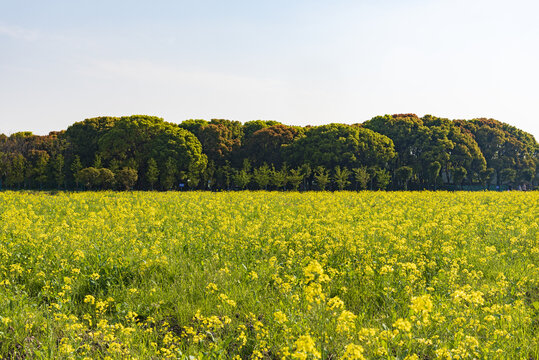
<point x="391" y="152"/>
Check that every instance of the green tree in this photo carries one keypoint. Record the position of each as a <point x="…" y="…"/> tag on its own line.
<point x="322" y="178"/>
<point x="295" y="178"/>
<point x="16" y="173"/>
<point x="341" y="177"/>
<point x="261" y="176"/>
<point x="133" y="140"/>
<point x="36" y="169"/>
<point x="361" y="177"/>
<point x="152" y="173"/>
<point x="241" y="178"/>
<point x="4" y="167"/>
<point x="459" y="174"/>
<point x="76" y="166"/>
<point x="209" y="175"/>
<point x="433" y="172"/>
<point x="266" y="145"/>
<point x="486" y="175"/>
<point x="168" y="176"/>
<point x="98" y="163"/>
<point x="114" y="165"/>
<point x="403" y="175"/>
<point x="279" y="177"/>
<point x="380" y="178"/>
<point x="339" y="144"/>
<point x="127" y="178"/>
<point x="306" y="172"/>
<point x="508" y="176"/>
<point x="106" y="178"/>
<point x="57" y="165"/>
<point x="89" y="177"/>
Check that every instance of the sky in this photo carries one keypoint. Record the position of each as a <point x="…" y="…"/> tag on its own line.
<point x="296" y="61"/>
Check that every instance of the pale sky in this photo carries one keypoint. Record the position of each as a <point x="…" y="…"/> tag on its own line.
<point x="296" y="61"/>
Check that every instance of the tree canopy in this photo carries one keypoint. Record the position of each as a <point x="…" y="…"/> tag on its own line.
<point x="401" y="151"/>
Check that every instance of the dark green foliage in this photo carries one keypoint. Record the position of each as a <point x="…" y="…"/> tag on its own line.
<point x="341" y="177"/>
<point x="321" y="177"/>
<point x="295" y="178"/>
<point x="152" y="173"/>
<point x="361" y="177"/>
<point x="127" y="178"/>
<point x="403" y="175"/>
<point x="89" y="177"/>
<point x="261" y="176"/>
<point x="340" y="144"/>
<point x="106" y="179"/>
<point x="398" y="151"/>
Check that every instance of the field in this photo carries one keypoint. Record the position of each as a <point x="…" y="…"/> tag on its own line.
<point x="371" y="275"/>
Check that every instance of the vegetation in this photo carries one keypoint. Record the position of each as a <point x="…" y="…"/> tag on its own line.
<point x="395" y="152"/>
<point x="317" y="275"/>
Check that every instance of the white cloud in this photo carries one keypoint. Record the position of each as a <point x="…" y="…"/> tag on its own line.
<point x="18" y="33"/>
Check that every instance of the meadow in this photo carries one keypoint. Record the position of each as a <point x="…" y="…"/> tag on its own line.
<point x="260" y="275"/>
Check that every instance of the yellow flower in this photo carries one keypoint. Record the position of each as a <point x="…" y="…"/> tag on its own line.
<point x="305" y="346"/>
<point x="403" y="325"/>
<point x="421" y="304"/>
<point x="345" y="322"/>
<point x="335" y="303"/>
<point x="95" y="276"/>
<point x="353" y="352"/>
<point x="280" y="316"/>
<point x="411" y="357"/>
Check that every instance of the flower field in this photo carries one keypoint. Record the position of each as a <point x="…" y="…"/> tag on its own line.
<point x="370" y="275"/>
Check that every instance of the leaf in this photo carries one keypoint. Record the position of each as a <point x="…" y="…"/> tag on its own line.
<point x="536" y="305"/>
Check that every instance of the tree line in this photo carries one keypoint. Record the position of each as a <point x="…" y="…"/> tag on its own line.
<point x="401" y="151"/>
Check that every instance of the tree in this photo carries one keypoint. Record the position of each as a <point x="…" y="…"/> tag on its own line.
<point x="380" y="178"/>
<point x="127" y="178"/>
<point x="322" y="178"/>
<point x="152" y="173"/>
<point x="459" y="174"/>
<point x="341" y="177"/>
<point x="89" y="177"/>
<point x="340" y="144"/>
<point x="433" y="172"/>
<point x="306" y="172"/>
<point x="82" y="137"/>
<point x="76" y="166"/>
<point x="98" y="163"/>
<point x="403" y="175"/>
<point x="209" y="175"/>
<point x="486" y="175"/>
<point x="168" y="176"/>
<point x="106" y="178"/>
<point x="266" y="145"/>
<point x="507" y="176"/>
<point x="4" y="166"/>
<point x="36" y="170"/>
<point x="261" y="176"/>
<point x="114" y="165"/>
<point x="361" y="176"/>
<point x="241" y="178"/>
<point x="16" y="172"/>
<point x="294" y="178"/>
<point x="221" y="140"/>
<point x="279" y="177"/>
<point x="133" y="140"/>
<point x="250" y="127"/>
<point x="224" y="175"/>
<point x="57" y="166"/>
